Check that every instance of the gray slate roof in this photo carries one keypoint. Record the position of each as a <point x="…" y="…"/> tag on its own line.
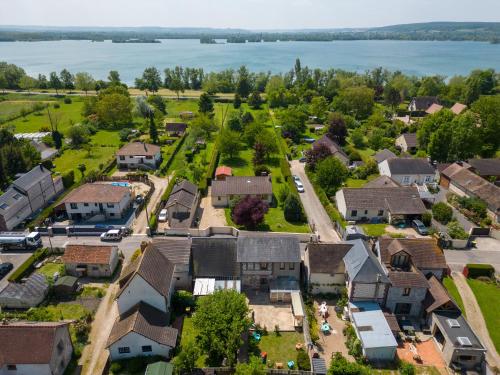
<point x="453" y="333"/>
<point x="243" y="185"/>
<point x="326" y="257"/>
<point x="410" y="139"/>
<point x="398" y="200"/>
<point x="362" y="265"/>
<point x="486" y="167"/>
<point x="31" y="178"/>
<point x="177" y="251"/>
<point x="334" y="147"/>
<point x="381" y="181"/>
<point x="409" y="166"/>
<point x="183" y="193"/>
<point x="424" y="102"/>
<point x="273" y="249"/>
<point x="384" y="155"/>
<point x="214" y="257"/>
<point x="35" y="287"/>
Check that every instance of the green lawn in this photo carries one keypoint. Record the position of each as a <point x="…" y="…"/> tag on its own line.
<point x="355" y="183"/>
<point x="488" y="296"/>
<point x="452" y="289"/>
<point x="66" y="114"/>
<point x="10" y="108"/>
<point x="374" y="230"/>
<point x="60" y="311"/>
<point x="48" y="269"/>
<point x="281" y="348"/>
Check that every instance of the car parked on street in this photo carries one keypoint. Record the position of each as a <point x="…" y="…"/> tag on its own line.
<point x="112" y="235"/>
<point x="420" y="227"/>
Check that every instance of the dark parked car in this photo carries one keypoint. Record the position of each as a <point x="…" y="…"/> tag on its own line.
<point x="420" y="227"/>
<point x="5" y="268"/>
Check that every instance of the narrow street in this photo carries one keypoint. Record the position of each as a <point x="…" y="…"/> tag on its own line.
<point x="475" y="318"/>
<point x="95" y="355"/>
<point x="315" y="211"/>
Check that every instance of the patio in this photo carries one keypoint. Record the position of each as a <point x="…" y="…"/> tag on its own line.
<point x="427" y="351"/>
<point x="270" y="315"/>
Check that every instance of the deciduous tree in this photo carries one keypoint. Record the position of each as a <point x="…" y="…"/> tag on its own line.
<point x="250" y="212"/>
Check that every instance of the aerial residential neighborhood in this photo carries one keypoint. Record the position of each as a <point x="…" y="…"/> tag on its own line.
<point x="301" y="198"/>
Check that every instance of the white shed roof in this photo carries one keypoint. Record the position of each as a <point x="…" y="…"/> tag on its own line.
<point x="204" y="287"/>
<point x="371" y="326"/>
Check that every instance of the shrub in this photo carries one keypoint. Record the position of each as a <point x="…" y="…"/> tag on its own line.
<point x="456" y="231"/>
<point x="136" y="364"/>
<point x="115" y="368"/>
<point x="406" y="368"/>
<point x="135" y="255"/>
<point x="292" y="209"/>
<point x="479" y="270"/>
<point x="183" y="300"/>
<point x="68" y="179"/>
<point x="67" y="101"/>
<point x="427" y="219"/>
<point x="442" y="212"/>
<point x="261" y="170"/>
<point x="153" y="222"/>
<point x="56" y="105"/>
<point x="303" y="362"/>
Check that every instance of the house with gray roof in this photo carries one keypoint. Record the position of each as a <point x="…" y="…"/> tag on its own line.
<point x="366" y="280"/>
<point x="178" y="252"/>
<point x="384" y="155"/>
<point x="334" y="148"/>
<point x="141" y="331"/>
<point x="27" y="196"/>
<point x="238" y="187"/>
<point x="489" y="169"/>
<point x="461" y="348"/>
<point x="407" y="142"/>
<point x="181" y="204"/>
<point x="215" y="258"/>
<point x="408" y="171"/>
<point x="26" y="294"/>
<point x="380" y="204"/>
<point x="422" y="103"/>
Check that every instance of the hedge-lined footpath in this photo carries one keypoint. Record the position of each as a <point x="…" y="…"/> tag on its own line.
<point x="214" y="161"/>
<point x="166" y="165"/>
<point x="28" y="264"/>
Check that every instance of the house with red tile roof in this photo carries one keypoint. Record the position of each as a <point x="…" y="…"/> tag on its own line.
<point x="90" y="260"/>
<point x="222" y="172"/>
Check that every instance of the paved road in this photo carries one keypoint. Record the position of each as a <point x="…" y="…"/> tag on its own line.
<point x="314" y="209"/>
<point x="487" y="251"/>
<point x="475" y="318"/>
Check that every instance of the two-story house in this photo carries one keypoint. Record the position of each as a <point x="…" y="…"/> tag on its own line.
<point x="407" y="263"/>
<point x="365" y="277"/>
<point x="27" y="195"/>
<point x="146" y="288"/>
<point x="98" y="201"/>
<point x="138" y="155"/>
<point x="408" y="171"/>
<point x="40" y="348"/>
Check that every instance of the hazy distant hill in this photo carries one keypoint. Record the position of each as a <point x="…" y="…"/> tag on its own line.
<point x="472" y="31"/>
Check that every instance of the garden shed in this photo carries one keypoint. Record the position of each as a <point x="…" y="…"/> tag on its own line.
<point x="65" y="286"/>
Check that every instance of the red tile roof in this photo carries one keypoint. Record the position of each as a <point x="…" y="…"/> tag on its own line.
<point x="458" y="108"/>
<point x="223" y="170"/>
<point x="88" y="254"/>
<point x="434" y="108"/>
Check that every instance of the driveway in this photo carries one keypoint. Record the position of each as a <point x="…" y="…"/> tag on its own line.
<point x="315" y="211"/>
<point x="16" y="258"/>
<point x="141" y="222"/>
<point x="464" y="222"/>
<point x="210" y="216"/>
<point x="487" y="251"/>
<point x="95" y="355"/>
<point x="475" y="318"/>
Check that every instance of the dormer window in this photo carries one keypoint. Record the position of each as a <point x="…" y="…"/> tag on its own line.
<point x="400" y="260"/>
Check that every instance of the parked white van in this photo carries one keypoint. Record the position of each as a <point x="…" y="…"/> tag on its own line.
<point x="112" y="235"/>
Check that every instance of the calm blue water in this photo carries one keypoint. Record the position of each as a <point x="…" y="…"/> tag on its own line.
<point x="418" y="58"/>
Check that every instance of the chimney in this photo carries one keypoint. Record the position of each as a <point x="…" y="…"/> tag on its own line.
<point x="41" y="166"/>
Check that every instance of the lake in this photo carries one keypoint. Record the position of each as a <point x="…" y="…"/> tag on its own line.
<point x="98" y="58"/>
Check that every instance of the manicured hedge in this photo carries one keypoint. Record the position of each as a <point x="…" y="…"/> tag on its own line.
<point x="169" y="189"/>
<point x="28" y="264"/>
<point x="203" y="186"/>
<point x="166" y="165"/>
<point x="477" y="270"/>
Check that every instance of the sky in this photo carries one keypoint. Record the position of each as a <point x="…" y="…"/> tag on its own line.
<point x="248" y="14"/>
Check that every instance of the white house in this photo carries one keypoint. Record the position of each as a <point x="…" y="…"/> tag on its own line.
<point x="34" y="348"/>
<point x="141" y="331"/>
<point x="407" y="142"/>
<point x="29" y="193"/>
<point x="97" y="202"/>
<point x="138" y="155"/>
<point x="408" y="171"/>
<point x="149" y="280"/>
<point x="325" y="267"/>
<point x="90" y="260"/>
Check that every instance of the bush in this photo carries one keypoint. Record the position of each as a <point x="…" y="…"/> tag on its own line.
<point x="67" y="101"/>
<point x="427" y="219"/>
<point x="261" y="170"/>
<point x="68" y="179"/>
<point x="153" y="222"/>
<point x="56" y="105"/>
<point x="475" y="271"/>
<point x="303" y="362"/>
<point x="115" y="368"/>
<point x="292" y="209"/>
<point x="183" y="300"/>
<point x="456" y="231"/>
<point x="135" y="255"/>
<point x="442" y="212"/>
<point x="136" y="364"/>
<point x="406" y="368"/>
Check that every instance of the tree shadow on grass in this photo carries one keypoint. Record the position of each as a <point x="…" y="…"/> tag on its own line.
<point x="235" y="162"/>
